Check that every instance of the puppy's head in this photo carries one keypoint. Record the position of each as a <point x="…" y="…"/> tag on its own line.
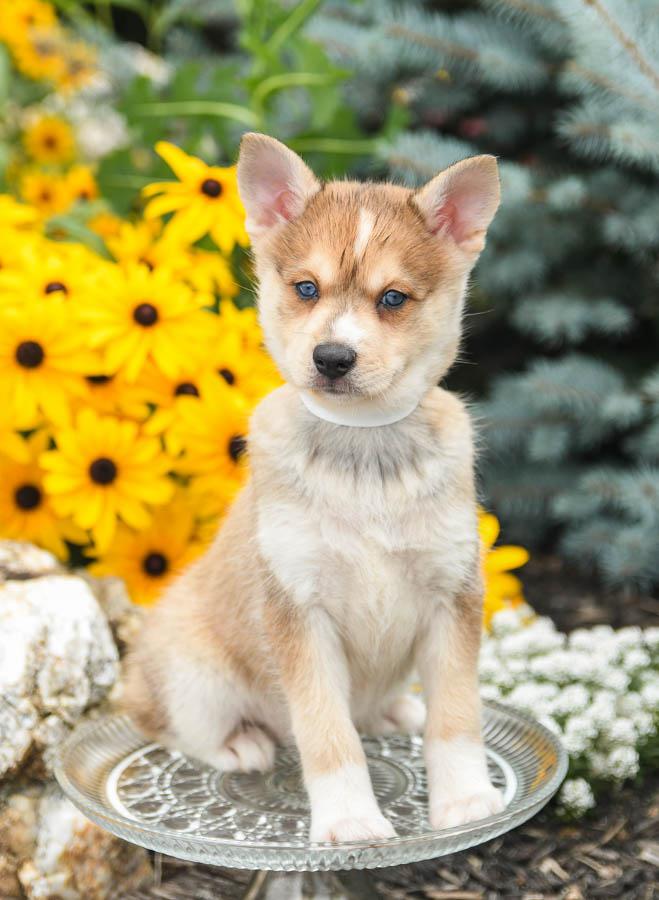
<point x="362" y="285"/>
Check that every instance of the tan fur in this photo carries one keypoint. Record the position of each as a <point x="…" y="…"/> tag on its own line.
<point x="352" y="554"/>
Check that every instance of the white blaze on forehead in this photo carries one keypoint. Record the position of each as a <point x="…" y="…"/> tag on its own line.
<point x="364" y="229"/>
<point x="321" y="264"/>
<point x="348" y="330"/>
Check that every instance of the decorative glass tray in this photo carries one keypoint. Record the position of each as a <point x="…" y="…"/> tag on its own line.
<point x="162" y="800"/>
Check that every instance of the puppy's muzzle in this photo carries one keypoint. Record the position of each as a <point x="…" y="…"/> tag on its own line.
<point x="334" y="360"/>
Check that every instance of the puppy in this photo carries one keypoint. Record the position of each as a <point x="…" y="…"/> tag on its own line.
<point x="351" y="558"/>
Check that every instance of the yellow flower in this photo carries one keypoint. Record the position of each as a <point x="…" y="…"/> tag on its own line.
<point x="26" y="511"/>
<point x="42" y="359"/>
<point x="148" y="316"/>
<point x="148" y="560"/>
<point x="47" y="193"/>
<point x="243" y="322"/>
<point x="80" y="184"/>
<point x="77" y="66"/>
<point x="250" y="372"/>
<point x="105" y="225"/>
<point x="210" y="272"/>
<point x="11" y="443"/>
<point x="104" y="469"/>
<point x="136" y="242"/>
<point x="49" y="140"/>
<point x="212" y="430"/>
<point x="39" y="54"/>
<point x="16" y="215"/>
<point x="19" y="17"/>
<point x="204" y="200"/>
<point x="113" y="395"/>
<point x="47" y="271"/>
<point x="501" y="588"/>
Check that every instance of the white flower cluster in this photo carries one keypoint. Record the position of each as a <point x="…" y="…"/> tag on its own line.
<point x="597" y="688"/>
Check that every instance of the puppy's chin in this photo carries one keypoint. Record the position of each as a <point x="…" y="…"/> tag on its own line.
<point x="340" y="388"/>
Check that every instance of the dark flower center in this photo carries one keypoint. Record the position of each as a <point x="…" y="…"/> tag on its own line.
<point x="155" y="564"/>
<point x="99" y="379"/>
<point x="186" y="388"/>
<point x="27" y="496"/>
<point x="228" y="376"/>
<point x="211" y="187"/>
<point x="145" y="314"/>
<point x="103" y="470"/>
<point x="54" y="286"/>
<point x="237" y="446"/>
<point x="29" y="354"/>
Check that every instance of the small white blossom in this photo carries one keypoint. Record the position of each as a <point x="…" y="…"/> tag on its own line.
<point x="644" y="723"/>
<point x="651" y="638"/>
<point x="490" y="692"/>
<point x="571" y="699"/>
<point x="615" y="679"/>
<point x="650" y="695"/>
<point x="578" y="734"/>
<point x="576" y="796"/>
<point x="506" y="621"/>
<point x="636" y="659"/>
<point x="533" y="697"/>
<point x="621" y="731"/>
<point x="622" y="763"/>
<point x="630" y="703"/>
<point x="628" y="638"/>
<point x="550" y="723"/>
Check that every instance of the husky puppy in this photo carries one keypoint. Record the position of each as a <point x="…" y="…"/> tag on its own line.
<point x="351" y="558"/>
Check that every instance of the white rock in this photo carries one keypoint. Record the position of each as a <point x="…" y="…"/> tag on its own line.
<point x="57" y="658"/>
<point x="19" y="559"/>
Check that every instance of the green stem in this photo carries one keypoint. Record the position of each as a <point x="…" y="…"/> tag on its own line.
<point x="292" y="24"/>
<point x="287" y="80"/>
<point x="198" y="108"/>
<point x="363" y="147"/>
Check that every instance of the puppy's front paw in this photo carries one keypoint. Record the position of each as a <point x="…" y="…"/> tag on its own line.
<point x="363" y="828"/>
<point x="455" y="811"/>
<point x="248" y="750"/>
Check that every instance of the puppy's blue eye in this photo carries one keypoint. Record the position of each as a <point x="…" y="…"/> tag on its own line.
<point x="307" y="290"/>
<point x="393" y="299"/>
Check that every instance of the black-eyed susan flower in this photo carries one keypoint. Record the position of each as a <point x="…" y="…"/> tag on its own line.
<point x="21" y="17"/>
<point x="114" y="396"/>
<point x="81" y="184"/>
<point x="12" y="444"/>
<point x="49" y="140"/>
<point x="242" y="322"/>
<point x="16" y="215"/>
<point x="42" y="362"/>
<point x="47" y="193"/>
<point x="26" y="510"/>
<point x="148" y="560"/>
<point x="103" y="469"/>
<point x="502" y="589"/>
<point x="105" y="224"/>
<point x="249" y="372"/>
<point x="148" y="315"/>
<point x="46" y="271"/>
<point x="204" y="200"/>
<point x="211" y="429"/>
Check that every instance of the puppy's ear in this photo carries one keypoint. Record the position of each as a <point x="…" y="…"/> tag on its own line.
<point x="273" y="182"/>
<point x="461" y="202"/>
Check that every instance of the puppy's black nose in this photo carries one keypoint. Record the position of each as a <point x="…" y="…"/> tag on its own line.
<point x="334" y="360"/>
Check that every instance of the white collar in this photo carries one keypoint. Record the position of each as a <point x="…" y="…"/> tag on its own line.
<point x="355" y="415"/>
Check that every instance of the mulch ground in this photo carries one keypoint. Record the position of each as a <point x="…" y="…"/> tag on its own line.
<point x="614" y="852"/>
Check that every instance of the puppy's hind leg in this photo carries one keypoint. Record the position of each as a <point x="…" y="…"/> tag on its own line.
<point x="207" y="714"/>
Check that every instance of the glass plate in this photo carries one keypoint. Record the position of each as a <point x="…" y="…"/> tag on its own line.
<point x="167" y="802"/>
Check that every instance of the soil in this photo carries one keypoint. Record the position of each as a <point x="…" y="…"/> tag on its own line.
<point x="613" y="852"/>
